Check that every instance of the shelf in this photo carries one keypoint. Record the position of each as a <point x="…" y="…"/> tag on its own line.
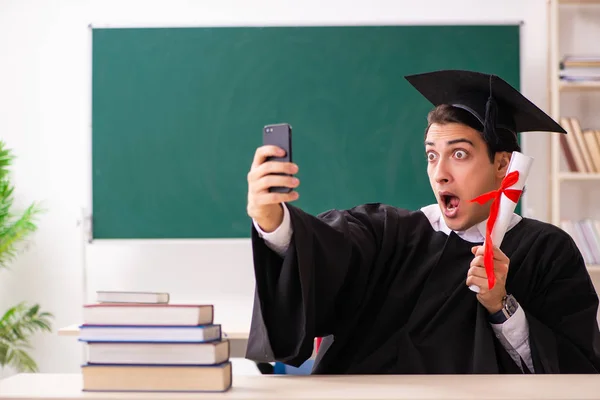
<point x="589" y="85"/>
<point x="593" y="268"/>
<point x="583" y="2"/>
<point x="578" y="176"/>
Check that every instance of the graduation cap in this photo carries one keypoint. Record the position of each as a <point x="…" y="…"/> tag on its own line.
<point x="495" y="103"/>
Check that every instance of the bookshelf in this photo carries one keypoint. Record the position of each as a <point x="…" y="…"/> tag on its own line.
<point x="579" y="1"/>
<point x="567" y="86"/>
<point x="578" y="176"/>
<point x="575" y="161"/>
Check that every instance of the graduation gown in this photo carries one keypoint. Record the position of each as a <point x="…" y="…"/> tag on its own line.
<point x="388" y="293"/>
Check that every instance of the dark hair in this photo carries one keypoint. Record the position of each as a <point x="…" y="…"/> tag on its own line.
<point x="446" y="114"/>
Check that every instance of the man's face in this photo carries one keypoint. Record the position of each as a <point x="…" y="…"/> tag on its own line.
<point x="459" y="170"/>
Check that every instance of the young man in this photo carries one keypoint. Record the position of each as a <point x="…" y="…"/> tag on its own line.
<point x="388" y="288"/>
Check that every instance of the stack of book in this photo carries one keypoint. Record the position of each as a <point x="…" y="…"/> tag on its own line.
<point x="580" y="68"/>
<point x="581" y="147"/>
<point x="141" y="342"/>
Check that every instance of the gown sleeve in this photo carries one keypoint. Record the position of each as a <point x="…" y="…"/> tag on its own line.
<point x="562" y="314"/>
<point x="318" y="282"/>
<point x="279" y="239"/>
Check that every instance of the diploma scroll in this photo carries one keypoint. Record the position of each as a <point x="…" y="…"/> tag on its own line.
<point x="522" y="164"/>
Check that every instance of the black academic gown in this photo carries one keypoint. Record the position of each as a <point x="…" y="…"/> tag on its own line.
<point x="388" y="292"/>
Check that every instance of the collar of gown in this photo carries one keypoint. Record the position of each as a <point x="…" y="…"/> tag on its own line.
<point x="474" y="234"/>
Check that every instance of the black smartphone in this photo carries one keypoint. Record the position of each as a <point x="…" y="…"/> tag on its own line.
<point x="279" y="135"/>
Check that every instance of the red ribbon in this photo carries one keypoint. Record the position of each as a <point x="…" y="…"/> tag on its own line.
<point x="512" y="194"/>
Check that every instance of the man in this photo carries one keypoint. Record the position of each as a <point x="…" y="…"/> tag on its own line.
<point x="388" y="288"/>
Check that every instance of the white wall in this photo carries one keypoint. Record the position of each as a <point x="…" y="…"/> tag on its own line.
<point x="45" y="119"/>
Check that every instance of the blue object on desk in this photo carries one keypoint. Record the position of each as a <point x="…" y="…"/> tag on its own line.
<point x="283" y="369"/>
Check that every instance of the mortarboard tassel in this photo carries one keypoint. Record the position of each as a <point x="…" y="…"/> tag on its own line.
<point x="491" y="113"/>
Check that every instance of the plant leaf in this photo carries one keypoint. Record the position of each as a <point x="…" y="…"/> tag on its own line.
<point x="16" y="327"/>
<point x="20" y="322"/>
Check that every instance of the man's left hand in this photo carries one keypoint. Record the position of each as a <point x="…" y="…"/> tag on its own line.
<point x="490" y="299"/>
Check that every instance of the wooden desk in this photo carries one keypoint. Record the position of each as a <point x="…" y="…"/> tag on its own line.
<point x="238" y="340"/>
<point x="464" y="387"/>
<point x="71" y="330"/>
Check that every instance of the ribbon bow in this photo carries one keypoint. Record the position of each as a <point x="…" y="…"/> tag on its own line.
<point x="512" y="194"/>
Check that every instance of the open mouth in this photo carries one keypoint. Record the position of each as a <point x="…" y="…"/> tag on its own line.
<point x="450" y="203"/>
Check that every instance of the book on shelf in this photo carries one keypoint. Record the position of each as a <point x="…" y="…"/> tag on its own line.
<point x="153" y="347"/>
<point x="586" y="235"/>
<point x="580" y="74"/>
<point x="581" y="147"/>
<point x="580" y="61"/>
<point x="580" y="68"/>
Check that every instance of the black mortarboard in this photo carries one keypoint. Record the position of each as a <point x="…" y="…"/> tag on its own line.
<point x="495" y="103"/>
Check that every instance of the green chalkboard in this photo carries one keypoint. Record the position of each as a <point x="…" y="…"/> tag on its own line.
<point x="177" y="114"/>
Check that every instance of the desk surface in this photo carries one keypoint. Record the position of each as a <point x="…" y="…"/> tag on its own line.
<point x="379" y="387"/>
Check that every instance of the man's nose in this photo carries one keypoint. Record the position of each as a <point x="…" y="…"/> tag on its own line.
<point x="442" y="175"/>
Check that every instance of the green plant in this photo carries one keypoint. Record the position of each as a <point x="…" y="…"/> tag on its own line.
<point x="21" y="321"/>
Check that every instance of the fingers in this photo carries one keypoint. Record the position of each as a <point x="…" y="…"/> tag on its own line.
<point x="263" y="152"/>
<point x="264" y="183"/>
<point x="500" y="267"/>
<point x="268" y="198"/>
<point x="265" y="206"/>
<point x="261" y="178"/>
<point x="477" y="275"/>
<point x="478" y="261"/>
<point x="268" y="174"/>
<point x="478" y="281"/>
<point x="272" y="167"/>
<point x="477" y="271"/>
<point x="498" y="254"/>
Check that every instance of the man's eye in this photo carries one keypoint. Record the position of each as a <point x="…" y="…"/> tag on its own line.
<point x="460" y="154"/>
<point x="430" y="156"/>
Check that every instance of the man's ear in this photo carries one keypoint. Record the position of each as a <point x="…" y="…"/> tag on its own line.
<point x="502" y="161"/>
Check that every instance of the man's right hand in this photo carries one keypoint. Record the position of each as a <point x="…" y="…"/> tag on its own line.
<point x="263" y="206"/>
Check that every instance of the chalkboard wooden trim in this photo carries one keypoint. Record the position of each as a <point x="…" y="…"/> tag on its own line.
<point x="292" y="23"/>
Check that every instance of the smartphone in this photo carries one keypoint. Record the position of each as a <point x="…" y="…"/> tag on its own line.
<point x="279" y="135"/>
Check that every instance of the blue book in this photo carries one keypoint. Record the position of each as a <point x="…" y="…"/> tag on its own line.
<point x="141" y="333"/>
